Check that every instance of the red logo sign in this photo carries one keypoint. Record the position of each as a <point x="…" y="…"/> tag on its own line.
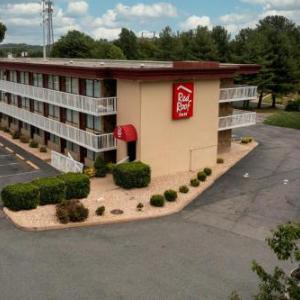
<point x="183" y="98"/>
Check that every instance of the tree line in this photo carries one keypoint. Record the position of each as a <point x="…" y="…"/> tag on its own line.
<point x="274" y="44"/>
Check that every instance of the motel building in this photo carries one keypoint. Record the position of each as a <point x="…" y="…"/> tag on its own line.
<point x="174" y="116"/>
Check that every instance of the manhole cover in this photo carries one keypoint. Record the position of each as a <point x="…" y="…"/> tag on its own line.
<point x="117" y="211"/>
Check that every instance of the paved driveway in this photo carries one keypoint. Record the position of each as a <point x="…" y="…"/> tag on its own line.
<point x="204" y="252"/>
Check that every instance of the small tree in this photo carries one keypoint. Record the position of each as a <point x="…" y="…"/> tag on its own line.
<point x="279" y="285"/>
<point x="100" y="167"/>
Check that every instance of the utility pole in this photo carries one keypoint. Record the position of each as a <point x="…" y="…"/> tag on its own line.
<point x="48" y="37"/>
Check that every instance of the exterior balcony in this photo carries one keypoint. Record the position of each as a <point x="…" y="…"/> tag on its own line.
<point x="93" y="142"/>
<point x="240" y="93"/>
<point x="89" y="105"/>
<point x="239" y="118"/>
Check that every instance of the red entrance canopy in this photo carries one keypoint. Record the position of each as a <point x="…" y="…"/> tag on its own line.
<point x="125" y="133"/>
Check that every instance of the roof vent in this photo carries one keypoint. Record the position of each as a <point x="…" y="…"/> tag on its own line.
<point x="142" y="65"/>
<point x="102" y="63"/>
<point x="71" y="62"/>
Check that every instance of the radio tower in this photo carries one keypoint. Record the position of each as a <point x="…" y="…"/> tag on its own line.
<point x="48" y="38"/>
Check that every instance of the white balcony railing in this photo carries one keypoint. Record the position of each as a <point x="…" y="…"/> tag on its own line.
<point x="239" y="118"/>
<point x="89" y="105"/>
<point x="238" y="94"/>
<point x="65" y="164"/>
<point x="94" y="142"/>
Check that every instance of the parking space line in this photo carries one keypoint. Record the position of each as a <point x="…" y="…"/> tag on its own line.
<point x="9" y="150"/>
<point x="1" y="145"/>
<point x="4" y="155"/>
<point x="20" y="156"/>
<point x="8" y="164"/>
<point x="17" y="174"/>
<point x="32" y="165"/>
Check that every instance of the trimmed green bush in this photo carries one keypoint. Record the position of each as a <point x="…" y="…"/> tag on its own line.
<point x="77" y="185"/>
<point x="110" y="167"/>
<point x="170" y="195"/>
<point x="140" y="206"/>
<point x="183" y="189"/>
<point x="100" y="167"/>
<point x="132" y="175"/>
<point x="33" y="144"/>
<point x="71" y="211"/>
<point x="220" y="160"/>
<point x="157" y="200"/>
<point x="52" y="190"/>
<point x="201" y="176"/>
<point x="195" y="182"/>
<point x="100" y="211"/>
<point x="16" y="135"/>
<point x="293" y="105"/>
<point x="207" y="171"/>
<point x="5" y="129"/>
<point x="20" y="196"/>
<point x="43" y="149"/>
<point x="24" y="139"/>
<point x="246" y="140"/>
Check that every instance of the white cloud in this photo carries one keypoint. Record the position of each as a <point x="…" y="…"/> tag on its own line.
<point x="193" y="22"/>
<point x="77" y="8"/>
<point x="106" y="33"/>
<point x="276" y="4"/>
<point x="24" y="9"/>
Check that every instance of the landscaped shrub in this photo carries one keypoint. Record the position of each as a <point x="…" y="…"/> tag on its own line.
<point x="20" y="196"/>
<point x="195" y="182"/>
<point x="132" y="175"/>
<point x="140" y="206"/>
<point x="100" y="167"/>
<point x="183" y="189"/>
<point x="157" y="201"/>
<point x="77" y="185"/>
<point x="201" y="176"/>
<point x="246" y="139"/>
<point x="71" y="211"/>
<point x="90" y="172"/>
<point x="170" y="195"/>
<point x="220" y="160"/>
<point x="207" y="171"/>
<point x="100" y="211"/>
<point x="5" y="129"/>
<point x="16" y="135"/>
<point x="293" y="106"/>
<point x="24" y="139"/>
<point x="33" y="144"/>
<point x="52" y="190"/>
<point x="43" y="149"/>
<point x="110" y="167"/>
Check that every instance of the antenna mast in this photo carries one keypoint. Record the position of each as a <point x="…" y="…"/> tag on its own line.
<point x="48" y="37"/>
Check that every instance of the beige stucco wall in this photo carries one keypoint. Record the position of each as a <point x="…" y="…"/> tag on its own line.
<point x="168" y="145"/>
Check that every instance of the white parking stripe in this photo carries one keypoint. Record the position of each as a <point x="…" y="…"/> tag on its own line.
<point x="5" y="155"/>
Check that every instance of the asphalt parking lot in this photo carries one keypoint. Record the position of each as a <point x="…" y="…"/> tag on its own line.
<point x="202" y="253"/>
<point x="14" y="166"/>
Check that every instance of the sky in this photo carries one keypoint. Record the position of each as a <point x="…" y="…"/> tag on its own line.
<point x="105" y="18"/>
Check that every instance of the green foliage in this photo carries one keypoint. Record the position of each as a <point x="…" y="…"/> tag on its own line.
<point x="170" y="195"/>
<point x="284" y="119"/>
<point x="2" y="31"/>
<point x="246" y="140"/>
<point x="52" y="190"/>
<point x="183" y="189"/>
<point x="207" y="171"/>
<point x="20" y="196"/>
<point x="77" y="185"/>
<point x="33" y="144"/>
<point x="201" y="176"/>
<point x="293" y="106"/>
<point x="16" y="135"/>
<point x="5" y="129"/>
<point x="220" y="160"/>
<point x="24" y="139"/>
<point x="100" y="167"/>
<point x="194" y="182"/>
<point x="132" y="175"/>
<point x="43" y="149"/>
<point x="71" y="211"/>
<point x="157" y="200"/>
<point x="128" y="43"/>
<point x="140" y="206"/>
<point x="100" y="211"/>
<point x="110" y="167"/>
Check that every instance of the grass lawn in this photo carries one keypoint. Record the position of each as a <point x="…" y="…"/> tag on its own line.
<point x="284" y="119"/>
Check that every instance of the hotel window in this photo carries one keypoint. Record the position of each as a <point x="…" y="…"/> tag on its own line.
<point x="53" y="82"/>
<point x="53" y="112"/>
<point x="38" y="107"/>
<point x="72" y="117"/>
<point x="15" y="121"/>
<point x="37" y="131"/>
<point x="38" y="80"/>
<point x="26" y="126"/>
<point x="13" y="76"/>
<point x="54" y="139"/>
<point x="14" y="100"/>
<point x="24" y="77"/>
<point x="94" y="123"/>
<point x="25" y="103"/>
<point x="72" y="147"/>
<point x="72" y="85"/>
<point x="93" y="88"/>
<point x="3" y="96"/>
<point x="91" y="155"/>
<point x="2" y="77"/>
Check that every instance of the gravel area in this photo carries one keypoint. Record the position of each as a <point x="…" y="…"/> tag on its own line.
<point x="105" y="193"/>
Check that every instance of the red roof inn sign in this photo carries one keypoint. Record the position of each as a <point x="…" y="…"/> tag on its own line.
<point x="183" y="98"/>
